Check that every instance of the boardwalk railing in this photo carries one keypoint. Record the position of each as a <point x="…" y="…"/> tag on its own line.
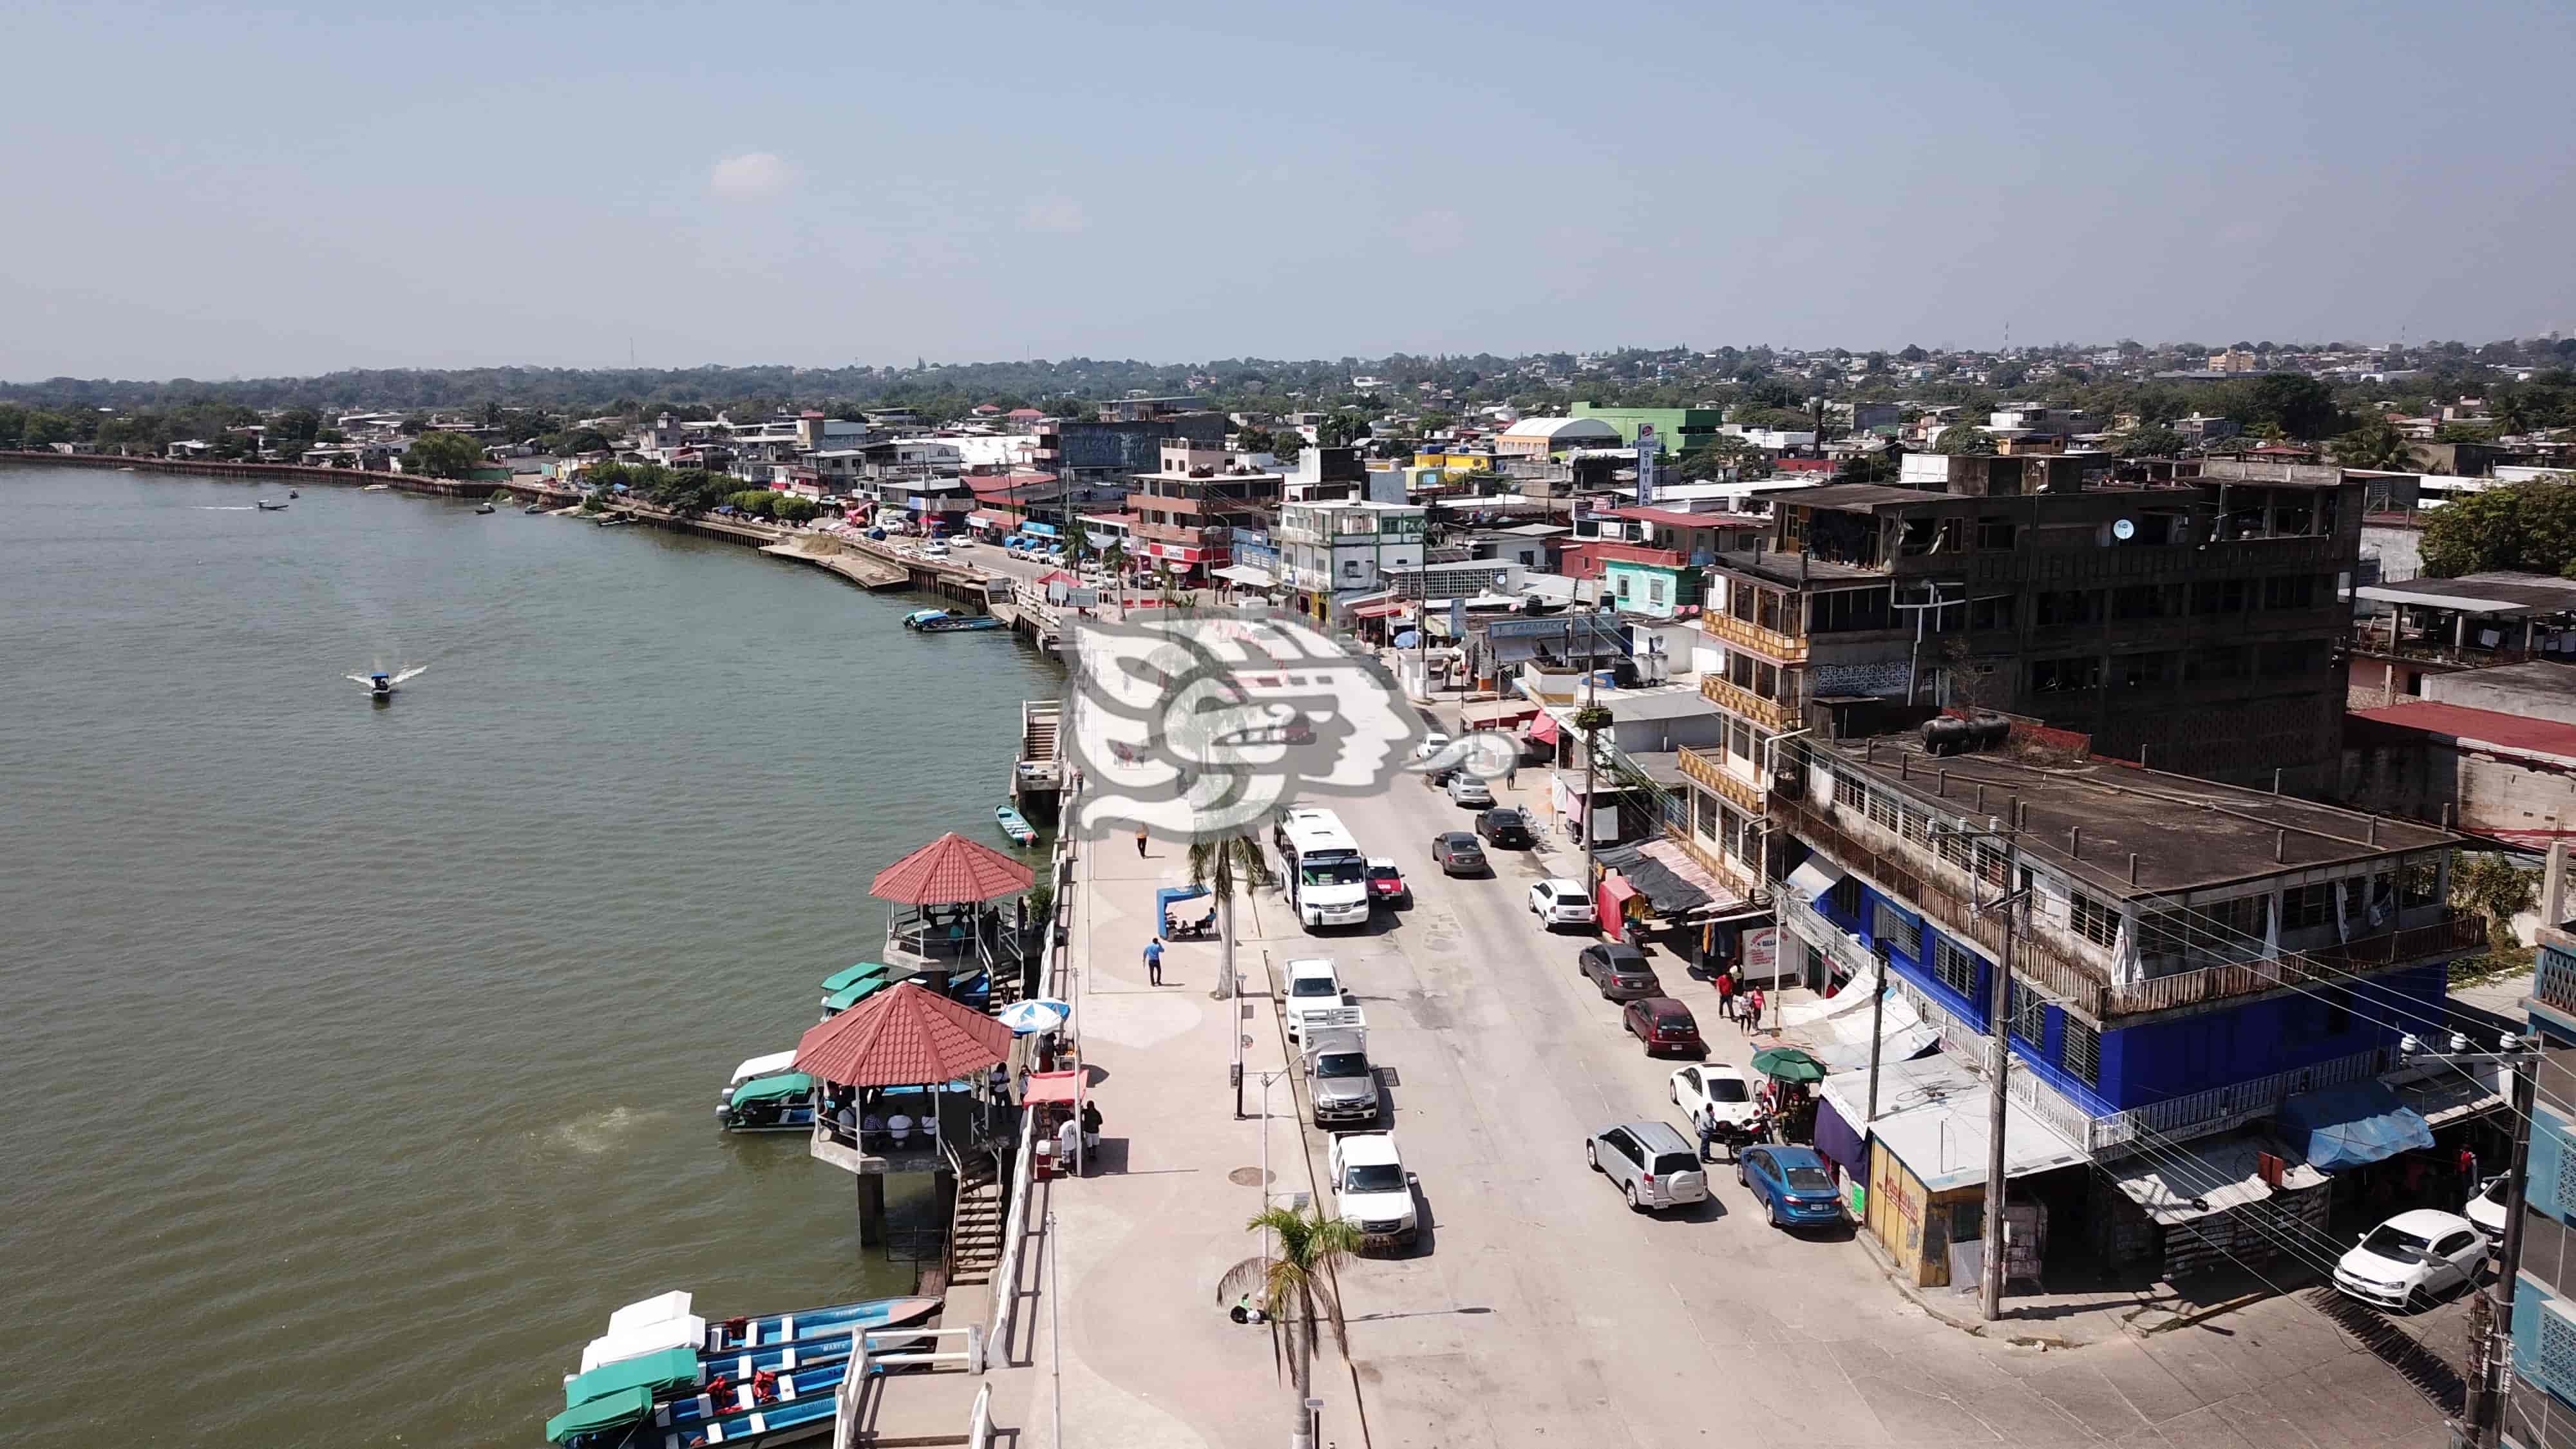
<point x="1015" y="1232"/>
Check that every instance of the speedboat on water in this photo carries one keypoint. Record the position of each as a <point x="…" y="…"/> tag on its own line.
<point x="485" y="507"/>
<point x="534" y="508"/>
<point x="377" y="488"/>
<point x="267" y="507"/>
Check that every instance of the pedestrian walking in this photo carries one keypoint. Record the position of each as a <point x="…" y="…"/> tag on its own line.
<point x="2468" y="1164"/>
<point x="1091" y="1126"/>
<point x="1140" y="842"/>
<point x="1752" y="1011"/>
<point x="1512" y="774"/>
<point x="1726" y="994"/>
<point x="1707" y="1134"/>
<point x="1154" y="962"/>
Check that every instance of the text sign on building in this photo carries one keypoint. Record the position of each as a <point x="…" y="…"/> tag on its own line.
<point x="1648" y="454"/>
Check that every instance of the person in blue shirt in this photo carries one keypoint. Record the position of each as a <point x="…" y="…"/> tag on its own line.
<point x="1154" y="961"/>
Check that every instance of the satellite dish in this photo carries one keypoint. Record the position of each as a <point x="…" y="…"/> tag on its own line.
<point x="2124" y="530"/>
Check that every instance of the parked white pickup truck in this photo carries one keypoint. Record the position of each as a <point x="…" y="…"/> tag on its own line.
<point x="1371" y="1189"/>
<point x="1316" y="999"/>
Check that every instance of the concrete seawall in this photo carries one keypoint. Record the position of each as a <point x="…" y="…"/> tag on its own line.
<point x="287" y="473"/>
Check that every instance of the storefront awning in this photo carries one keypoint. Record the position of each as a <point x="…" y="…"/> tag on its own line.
<point x="1932" y="1117"/>
<point x="1377" y="611"/>
<point x="1542" y="730"/>
<point x="1671" y="894"/>
<point x="1244" y="574"/>
<point x="1816" y="877"/>
<point x="1616" y="892"/>
<point x="2181" y="1183"/>
<point x="1494" y="713"/>
<point x="2346" y="1127"/>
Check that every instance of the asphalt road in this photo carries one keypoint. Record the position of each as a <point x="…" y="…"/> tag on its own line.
<point x="1539" y="1310"/>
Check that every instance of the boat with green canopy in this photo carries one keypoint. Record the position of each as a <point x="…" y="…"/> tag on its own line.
<point x="782" y="1103"/>
<point x="663" y="1375"/>
<point x="623" y="1409"/>
<point x="840" y="999"/>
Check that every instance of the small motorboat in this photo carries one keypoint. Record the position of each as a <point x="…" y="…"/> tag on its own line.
<point x="1015" y="825"/>
<point x="485" y="507"/>
<point x="291" y="493"/>
<point x="267" y="507"/>
<point x="941" y="621"/>
<point x="377" y="488"/>
<point x="663" y="1375"/>
<point x="615" y="521"/>
<point x="534" y="508"/>
<point x="782" y="1102"/>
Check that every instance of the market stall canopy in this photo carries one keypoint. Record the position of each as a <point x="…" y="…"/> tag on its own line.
<point x="1788" y="1064"/>
<point x="1064" y="1087"/>
<point x="1665" y="888"/>
<point x="907" y="1037"/>
<point x="2342" y="1127"/>
<point x="949" y="870"/>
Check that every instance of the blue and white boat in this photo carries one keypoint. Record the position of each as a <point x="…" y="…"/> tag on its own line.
<point x="733" y="1335"/>
<point x="664" y="1377"/>
<point x="782" y="1102"/>
<point x="1015" y="825"/>
<point x="941" y="621"/>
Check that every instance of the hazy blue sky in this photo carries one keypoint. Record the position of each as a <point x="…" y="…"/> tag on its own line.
<point x="219" y="190"/>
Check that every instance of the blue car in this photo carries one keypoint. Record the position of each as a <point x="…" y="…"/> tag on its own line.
<point x="1793" y="1186"/>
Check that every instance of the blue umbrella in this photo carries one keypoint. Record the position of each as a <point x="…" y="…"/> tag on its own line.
<point x="1408" y="639"/>
<point x="1028" y="1018"/>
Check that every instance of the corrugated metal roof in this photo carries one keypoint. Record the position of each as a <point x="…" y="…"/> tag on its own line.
<point x="2480" y="726"/>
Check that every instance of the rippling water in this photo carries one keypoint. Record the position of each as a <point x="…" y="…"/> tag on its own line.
<point x="361" y="1059"/>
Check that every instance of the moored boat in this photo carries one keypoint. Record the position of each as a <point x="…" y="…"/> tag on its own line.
<point x="780" y="1103"/>
<point x="1015" y="825"/>
<point x="267" y="507"/>
<point x="485" y="507"/>
<point x="941" y="621"/>
<point x="663" y="1373"/>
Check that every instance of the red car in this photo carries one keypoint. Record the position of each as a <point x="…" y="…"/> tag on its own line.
<point x="1386" y="884"/>
<point x="1663" y="1024"/>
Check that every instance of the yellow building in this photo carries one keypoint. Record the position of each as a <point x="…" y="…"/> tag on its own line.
<point x="1455" y="462"/>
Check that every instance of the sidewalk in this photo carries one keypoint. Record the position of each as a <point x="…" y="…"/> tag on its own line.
<point x="1149" y="1357"/>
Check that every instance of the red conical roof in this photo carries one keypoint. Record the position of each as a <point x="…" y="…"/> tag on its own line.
<point x="949" y="870"/>
<point x="910" y="1036"/>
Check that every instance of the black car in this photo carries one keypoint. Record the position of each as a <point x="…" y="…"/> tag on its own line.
<point x="1507" y="826"/>
<point x="1458" y="853"/>
<point x="1620" y="971"/>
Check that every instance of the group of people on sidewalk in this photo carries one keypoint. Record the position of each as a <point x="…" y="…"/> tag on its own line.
<point x="1739" y="1001"/>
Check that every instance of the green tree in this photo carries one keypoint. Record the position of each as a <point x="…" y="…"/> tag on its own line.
<point x="573" y="441"/>
<point x="1114" y="558"/>
<point x="2464" y="433"/>
<point x="1913" y="353"/>
<point x="293" y="430"/>
<point x="2150" y="442"/>
<point x="1254" y="440"/>
<point x="443" y="455"/>
<point x="2527" y="528"/>
<point x="1340" y="430"/>
<point x="1293" y="1287"/>
<point x="2494" y="887"/>
<point x="2304" y="406"/>
<point x="1963" y="438"/>
<point x="1223" y="865"/>
<point x="2377" y="443"/>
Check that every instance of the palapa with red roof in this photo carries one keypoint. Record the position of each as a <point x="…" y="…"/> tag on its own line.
<point x="910" y="1036"/>
<point x="948" y="871"/>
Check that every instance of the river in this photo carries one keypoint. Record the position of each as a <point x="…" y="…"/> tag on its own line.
<point x="363" y="1058"/>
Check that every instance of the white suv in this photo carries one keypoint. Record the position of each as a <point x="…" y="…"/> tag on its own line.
<point x="1560" y="902"/>
<point x="1371" y="1190"/>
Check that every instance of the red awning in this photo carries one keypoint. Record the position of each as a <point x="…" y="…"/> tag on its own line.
<point x="1616" y="893"/>
<point x="1542" y="730"/>
<point x="949" y="870"/>
<point x="908" y="1037"/>
<point x="1379" y="611"/>
<point x="1062" y="1087"/>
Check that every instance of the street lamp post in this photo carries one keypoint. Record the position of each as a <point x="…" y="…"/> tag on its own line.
<point x="2492" y="1341"/>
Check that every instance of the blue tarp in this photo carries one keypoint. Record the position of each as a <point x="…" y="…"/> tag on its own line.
<point x="2345" y="1127"/>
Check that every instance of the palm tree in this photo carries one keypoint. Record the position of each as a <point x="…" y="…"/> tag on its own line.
<point x="1293" y="1288"/>
<point x="1216" y="863"/>
<point x="2376" y="444"/>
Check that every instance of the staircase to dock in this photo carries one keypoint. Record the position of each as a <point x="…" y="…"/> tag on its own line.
<point x="975" y="1232"/>
<point x="1038" y="775"/>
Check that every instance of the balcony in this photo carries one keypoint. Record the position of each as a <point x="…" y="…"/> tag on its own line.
<point x="1728" y="695"/>
<point x="1771" y="644"/>
<point x="1707" y="770"/>
<point x="2553" y="985"/>
<point x="1947" y="895"/>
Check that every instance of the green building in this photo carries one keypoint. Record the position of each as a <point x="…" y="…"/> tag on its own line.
<point x="1680" y="430"/>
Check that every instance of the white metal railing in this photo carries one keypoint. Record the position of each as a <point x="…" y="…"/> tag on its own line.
<point x="1015" y="1227"/>
<point x="2220" y="1108"/>
<point x="979" y="1426"/>
<point x="849" y="1396"/>
<point x="970" y="1353"/>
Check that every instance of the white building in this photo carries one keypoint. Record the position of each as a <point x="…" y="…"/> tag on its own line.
<point x="1543" y="437"/>
<point x="1346" y="546"/>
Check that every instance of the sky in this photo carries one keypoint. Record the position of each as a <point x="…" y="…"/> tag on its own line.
<point x="220" y="190"/>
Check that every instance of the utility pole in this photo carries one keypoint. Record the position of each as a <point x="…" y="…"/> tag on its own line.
<point x="1998" y="1007"/>
<point x="1877" y="1018"/>
<point x="1591" y="753"/>
<point x="2494" y="1343"/>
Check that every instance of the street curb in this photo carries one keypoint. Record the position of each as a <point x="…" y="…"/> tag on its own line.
<point x="2003" y="1332"/>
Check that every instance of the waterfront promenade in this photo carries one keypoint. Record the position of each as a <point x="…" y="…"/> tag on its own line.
<point x="1149" y="1359"/>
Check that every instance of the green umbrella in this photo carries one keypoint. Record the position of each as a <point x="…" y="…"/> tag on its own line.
<point x="1788" y="1064"/>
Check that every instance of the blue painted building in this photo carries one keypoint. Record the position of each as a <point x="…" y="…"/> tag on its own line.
<point x="2540" y="1404"/>
<point x="2190" y="958"/>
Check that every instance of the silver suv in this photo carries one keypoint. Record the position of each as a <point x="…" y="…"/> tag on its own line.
<point x="1652" y="1163"/>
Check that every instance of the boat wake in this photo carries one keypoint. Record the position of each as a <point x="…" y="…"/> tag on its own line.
<point x="413" y="671"/>
<point x="603" y="1132"/>
<point x="227" y="508"/>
